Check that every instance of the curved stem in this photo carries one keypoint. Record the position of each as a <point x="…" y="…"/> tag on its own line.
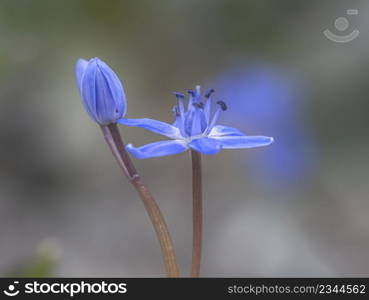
<point x="197" y="213"/>
<point x="117" y="147"/>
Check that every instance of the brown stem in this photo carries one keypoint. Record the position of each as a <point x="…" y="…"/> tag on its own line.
<point x="117" y="147"/>
<point x="196" y="213"/>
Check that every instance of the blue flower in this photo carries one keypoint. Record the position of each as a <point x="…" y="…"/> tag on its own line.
<point x="101" y="90"/>
<point x="193" y="128"/>
<point x="275" y="102"/>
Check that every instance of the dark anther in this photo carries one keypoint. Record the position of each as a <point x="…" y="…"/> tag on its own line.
<point x="222" y="104"/>
<point x="175" y="111"/>
<point x="191" y="92"/>
<point x="208" y="93"/>
<point x="198" y="104"/>
<point x="179" y="95"/>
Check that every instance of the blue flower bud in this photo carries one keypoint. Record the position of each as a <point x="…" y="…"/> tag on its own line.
<point x="101" y="90"/>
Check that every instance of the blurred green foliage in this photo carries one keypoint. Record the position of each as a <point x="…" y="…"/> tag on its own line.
<point x="41" y="264"/>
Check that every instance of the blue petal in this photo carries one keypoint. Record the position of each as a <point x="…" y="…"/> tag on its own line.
<point x="80" y="69"/>
<point x="154" y="126"/>
<point x="220" y="130"/>
<point x="206" y="145"/>
<point x="157" y="149"/>
<point x="115" y="87"/>
<point x="88" y="92"/>
<point x="242" y="142"/>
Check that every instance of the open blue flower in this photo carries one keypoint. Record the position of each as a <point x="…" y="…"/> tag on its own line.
<point x="101" y="90"/>
<point x="193" y="128"/>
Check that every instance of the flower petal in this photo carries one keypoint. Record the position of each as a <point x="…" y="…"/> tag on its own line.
<point x="88" y="91"/>
<point x="220" y="130"/>
<point x="242" y="142"/>
<point x="157" y="149"/>
<point x="80" y="68"/>
<point x="154" y="126"/>
<point x="116" y="87"/>
<point x="206" y="145"/>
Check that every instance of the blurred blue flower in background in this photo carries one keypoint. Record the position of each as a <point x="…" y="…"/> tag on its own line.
<point x="262" y="98"/>
<point x="101" y="90"/>
<point x="195" y="128"/>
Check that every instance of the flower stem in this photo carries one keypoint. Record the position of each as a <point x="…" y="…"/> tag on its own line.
<point x="117" y="147"/>
<point x="196" y="213"/>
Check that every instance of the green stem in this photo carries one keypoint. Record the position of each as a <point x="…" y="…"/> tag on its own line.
<point x="117" y="147"/>
<point x="196" y="213"/>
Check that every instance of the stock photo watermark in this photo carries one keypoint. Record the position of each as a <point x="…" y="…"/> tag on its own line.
<point x="342" y="24"/>
<point x="69" y="289"/>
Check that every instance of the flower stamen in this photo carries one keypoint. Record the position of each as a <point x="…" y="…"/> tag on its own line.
<point x="208" y="93"/>
<point x="191" y="92"/>
<point x="222" y="105"/>
<point x="179" y="95"/>
<point x="198" y="105"/>
<point x="175" y="111"/>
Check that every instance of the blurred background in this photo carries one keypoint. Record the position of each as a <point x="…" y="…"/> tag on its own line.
<point x="296" y="208"/>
